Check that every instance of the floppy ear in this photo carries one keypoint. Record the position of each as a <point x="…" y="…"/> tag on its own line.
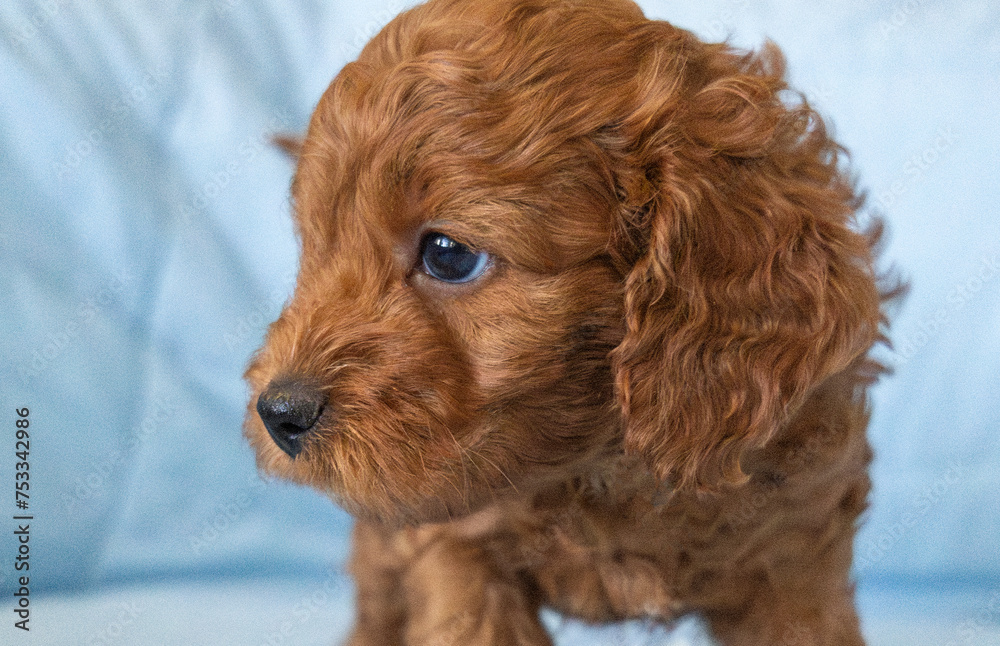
<point x="746" y="284"/>
<point x="290" y="145"/>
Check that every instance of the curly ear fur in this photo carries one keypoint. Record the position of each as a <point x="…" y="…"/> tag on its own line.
<point x="748" y="286"/>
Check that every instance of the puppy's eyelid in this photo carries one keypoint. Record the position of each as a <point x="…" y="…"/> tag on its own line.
<point x="458" y="232"/>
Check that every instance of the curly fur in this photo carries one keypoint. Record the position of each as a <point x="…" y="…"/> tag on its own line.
<point x="653" y="402"/>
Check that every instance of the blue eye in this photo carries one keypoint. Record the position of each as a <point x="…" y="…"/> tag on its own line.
<point x="451" y="261"/>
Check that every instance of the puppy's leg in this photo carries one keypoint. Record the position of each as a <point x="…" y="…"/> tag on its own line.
<point x="376" y="567"/>
<point x="458" y="596"/>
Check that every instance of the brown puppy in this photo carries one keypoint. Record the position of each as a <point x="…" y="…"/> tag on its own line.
<point x="581" y="322"/>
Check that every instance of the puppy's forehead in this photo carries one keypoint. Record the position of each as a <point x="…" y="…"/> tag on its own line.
<point x="394" y="151"/>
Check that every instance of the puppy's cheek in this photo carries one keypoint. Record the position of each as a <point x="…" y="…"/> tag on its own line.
<point x="540" y="352"/>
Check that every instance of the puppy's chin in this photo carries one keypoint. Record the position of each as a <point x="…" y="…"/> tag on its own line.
<point x="418" y="512"/>
<point x="371" y="483"/>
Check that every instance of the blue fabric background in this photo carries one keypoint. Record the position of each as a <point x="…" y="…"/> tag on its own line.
<point x="145" y="244"/>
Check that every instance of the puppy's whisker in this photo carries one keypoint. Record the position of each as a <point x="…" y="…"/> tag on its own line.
<point x="463" y="463"/>
<point x="499" y="470"/>
<point x="332" y="371"/>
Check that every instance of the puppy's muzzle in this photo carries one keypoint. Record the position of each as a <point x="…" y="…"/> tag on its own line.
<point x="289" y="410"/>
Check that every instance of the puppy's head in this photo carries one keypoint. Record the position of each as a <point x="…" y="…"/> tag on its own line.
<point x="536" y="233"/>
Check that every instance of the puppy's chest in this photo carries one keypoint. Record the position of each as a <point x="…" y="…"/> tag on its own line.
<point x="599" y="549"/>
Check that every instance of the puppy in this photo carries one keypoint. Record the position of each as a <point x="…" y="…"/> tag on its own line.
<point x="581" y="322"/>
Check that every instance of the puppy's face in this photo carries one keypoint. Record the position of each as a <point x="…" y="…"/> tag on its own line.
<point x="449" y="334"/>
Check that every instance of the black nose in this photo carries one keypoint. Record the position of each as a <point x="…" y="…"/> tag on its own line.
<point x="289" y="410"/>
